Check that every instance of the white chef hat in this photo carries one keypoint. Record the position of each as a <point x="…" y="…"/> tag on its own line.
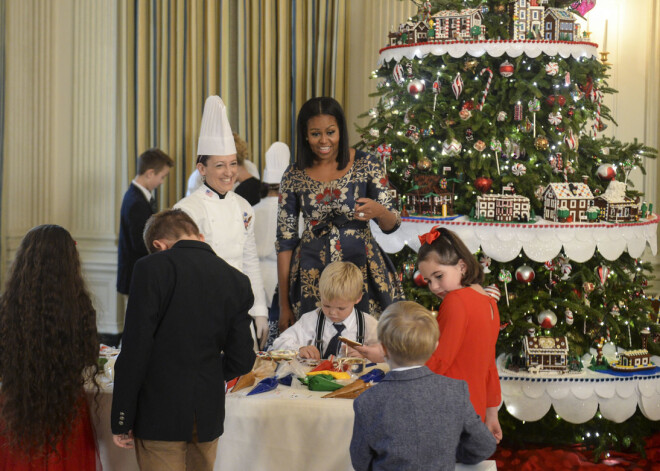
<point x="277" y="160"/>
<point x="215" y="136"/>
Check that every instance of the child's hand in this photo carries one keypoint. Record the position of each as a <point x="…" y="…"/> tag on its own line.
<point x="352" y="353"/>
<point x="493" y="423"/>
<point x="309" y="351"/>
<point x="372" y="353"/>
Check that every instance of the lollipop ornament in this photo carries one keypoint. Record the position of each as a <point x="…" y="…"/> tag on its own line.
<point x="505" y="277"/>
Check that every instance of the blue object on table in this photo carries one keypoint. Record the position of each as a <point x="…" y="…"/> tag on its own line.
<point x="265" y="385"/>
<point x="375" y="375"/>
<point x="286" y="380"/>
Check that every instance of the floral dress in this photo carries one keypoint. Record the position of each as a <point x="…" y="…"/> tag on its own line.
<point x="331" y="233"/>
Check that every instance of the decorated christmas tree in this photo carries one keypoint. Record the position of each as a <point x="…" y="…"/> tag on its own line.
<point x="490" y="116"/>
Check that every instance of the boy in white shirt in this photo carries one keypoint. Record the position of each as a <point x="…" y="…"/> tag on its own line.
<point x="316" y="334"/>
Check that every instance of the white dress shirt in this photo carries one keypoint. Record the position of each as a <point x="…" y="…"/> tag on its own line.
<point x="303" y="332"/>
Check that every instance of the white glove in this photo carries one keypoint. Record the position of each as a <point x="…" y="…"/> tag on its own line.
<point x="261" y="329"/>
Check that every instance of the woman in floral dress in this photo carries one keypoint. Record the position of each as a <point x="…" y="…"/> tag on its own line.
<point x="338" y="190"/>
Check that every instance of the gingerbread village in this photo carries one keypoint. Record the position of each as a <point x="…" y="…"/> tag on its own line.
<point x="532" y="20"/>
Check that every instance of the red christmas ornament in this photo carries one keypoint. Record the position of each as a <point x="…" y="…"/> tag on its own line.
<point x="606" y="172"/>
<point x="547" y="319"/>
<point x="416" y="86"/>
<point x="560" y="99"/>
<point x="468" y="105"/>
<point x="483" y="184"/>
<point x="419" y="279"/>
<point x="506" y="69"/>
<point x="525" y="274"/>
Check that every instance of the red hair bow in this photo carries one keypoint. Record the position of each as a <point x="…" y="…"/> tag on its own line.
<point x="430" y="236"/>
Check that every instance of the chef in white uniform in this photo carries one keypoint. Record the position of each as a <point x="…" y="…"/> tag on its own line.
<point x="225" y="218"/>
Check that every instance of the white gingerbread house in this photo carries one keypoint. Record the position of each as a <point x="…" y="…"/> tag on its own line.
<point x="574" y="197"/>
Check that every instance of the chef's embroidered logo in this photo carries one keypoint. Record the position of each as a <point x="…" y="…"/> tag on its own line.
<point x="246" y="220"/>
<point x="209" y="193"/>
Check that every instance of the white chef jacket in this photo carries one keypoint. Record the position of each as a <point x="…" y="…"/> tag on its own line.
<point x="228" y="227"/>
<point x="265" y="233"/>
<point x="303" y="332"/>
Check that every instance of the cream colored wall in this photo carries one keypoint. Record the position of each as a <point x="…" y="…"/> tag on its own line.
<point x="60" y="141"/>
<point x="64" y="139"/>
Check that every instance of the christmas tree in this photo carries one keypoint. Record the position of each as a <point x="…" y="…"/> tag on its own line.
<point x="501" y="103"/>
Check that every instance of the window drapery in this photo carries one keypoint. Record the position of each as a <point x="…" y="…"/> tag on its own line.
<point x="265" y="58"/>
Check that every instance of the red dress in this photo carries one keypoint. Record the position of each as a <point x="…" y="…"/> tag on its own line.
<point x="469" y="325"/>
<point x="77" y="452"/>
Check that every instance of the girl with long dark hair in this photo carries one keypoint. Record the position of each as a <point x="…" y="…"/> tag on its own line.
<point x="48" y="350"/>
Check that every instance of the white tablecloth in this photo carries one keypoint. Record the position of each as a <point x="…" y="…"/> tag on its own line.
<point x="288" y="429"/>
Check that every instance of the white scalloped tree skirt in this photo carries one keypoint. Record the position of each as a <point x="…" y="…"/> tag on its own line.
<point x="576" y="397"/>
<point x="494" y="48"/>
<point x="540" y="242"/>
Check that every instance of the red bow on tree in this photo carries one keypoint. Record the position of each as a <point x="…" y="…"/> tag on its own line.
<point x="430" y="236"/>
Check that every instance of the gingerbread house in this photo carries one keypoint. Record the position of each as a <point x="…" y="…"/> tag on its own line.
<point x="575" y="198"/>
<point x="505" y="208"/>
<point x="634" y="360"/>
<point x="559" y="25"/>
<point x="527" y="19"/>
<point x="546" y="353"/>
<point x="413" y="32"/>
<point x="615" y="206"/>
<point x="457" y="25"/>
<point x="430" y="195"/>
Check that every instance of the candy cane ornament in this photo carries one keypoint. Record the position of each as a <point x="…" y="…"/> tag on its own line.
<point x="436" y="92"/>
<point x="598" y="98"/>
<point x="480" y="106"/>
<point x="457" y="85"/>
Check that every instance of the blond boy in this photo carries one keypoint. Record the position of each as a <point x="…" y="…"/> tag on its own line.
<point x="316" y="334"/>
<point x="415" y="419"/>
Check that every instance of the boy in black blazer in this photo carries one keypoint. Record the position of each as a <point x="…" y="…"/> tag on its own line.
<point x="415" y="419"/>
<point x="187" y="332"/>
<point x="136" y="207"/>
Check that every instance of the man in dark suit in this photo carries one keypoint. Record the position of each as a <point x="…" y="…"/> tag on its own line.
<point x="187" y="332"/>
<point x="138" y="205"/>
<point x="415" y="419"/>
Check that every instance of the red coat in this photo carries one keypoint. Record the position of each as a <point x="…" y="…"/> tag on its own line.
<point x="469" y="325"/>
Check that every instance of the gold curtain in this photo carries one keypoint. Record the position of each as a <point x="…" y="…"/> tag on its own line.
<point x="265" y="58"/>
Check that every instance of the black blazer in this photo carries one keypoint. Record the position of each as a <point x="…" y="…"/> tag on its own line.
<point x="135" y="210"/>
<point x="187" y="332"/>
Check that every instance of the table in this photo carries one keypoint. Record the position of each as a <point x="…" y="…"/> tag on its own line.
<point x="286" y="429"/>
<point x="576" y="397"/>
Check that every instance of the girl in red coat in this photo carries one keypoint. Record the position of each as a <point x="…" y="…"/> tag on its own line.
<point x="468" y="319"/>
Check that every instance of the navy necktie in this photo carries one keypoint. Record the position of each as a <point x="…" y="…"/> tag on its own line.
<point x="333" y="345"/>
<point x="153" y="204"/>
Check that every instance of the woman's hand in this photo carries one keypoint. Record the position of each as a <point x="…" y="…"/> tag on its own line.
<point x="373" y="353"/>
<point x="309" y="351"/>
<point x="493" y="423"/>
<point x="367" y="209"/>
<point x="286" y="318"/>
